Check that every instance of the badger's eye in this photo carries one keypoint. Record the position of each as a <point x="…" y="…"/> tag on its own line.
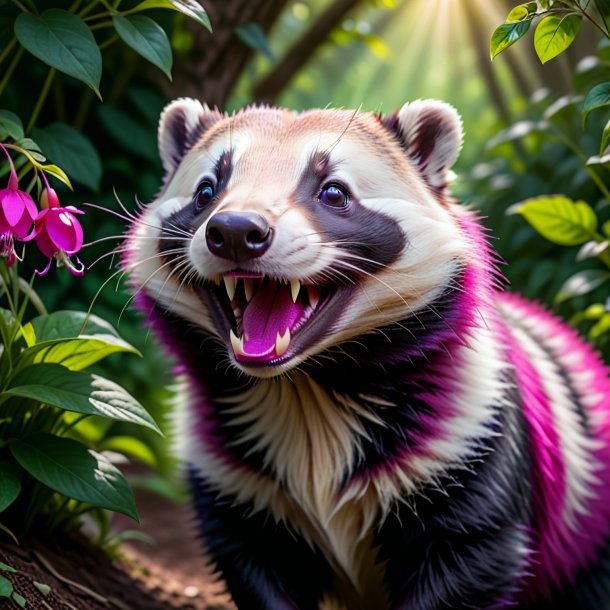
<point x="334" y="195"/>
<point x="204" y="195"/>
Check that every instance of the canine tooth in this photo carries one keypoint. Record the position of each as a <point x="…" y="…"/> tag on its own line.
<point x="237" y="344"/>
<point x="217" y="279"/>
<point x="314" y="296"/>
<point x="295" y="287"/>
<point x="282" y="342"/>
<point x="231" y="286"/>
<point x="248" y="288"/>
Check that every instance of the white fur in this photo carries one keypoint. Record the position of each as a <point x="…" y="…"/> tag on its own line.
<point x="447" y="146"/>
<point x="577" y="446"/>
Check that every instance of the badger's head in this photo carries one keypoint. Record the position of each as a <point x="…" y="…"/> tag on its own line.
<point x="284" y="234"/>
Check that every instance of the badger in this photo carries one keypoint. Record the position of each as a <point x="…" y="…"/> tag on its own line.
<point x="369" y="421"/>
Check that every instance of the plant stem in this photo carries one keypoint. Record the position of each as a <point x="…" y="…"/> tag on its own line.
<point x="11" y="69"/>
<point x="83" y="109"/>
<point x="602" y="15"/>
<point x="87" y="9"/>
<point x="41" y="99"/>
<point x="598" y="181"/>
<point x="5" y="285"/>
<point x="595" y="24"/>
<point x="24" y="170"/>
<point x="21" y="6"/>
<point x="108" y="42"/>
<point x="7" y="50"/>
<point x="101" y="26"/>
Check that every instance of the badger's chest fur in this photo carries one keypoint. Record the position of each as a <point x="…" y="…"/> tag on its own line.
<point x="369" y="423"/>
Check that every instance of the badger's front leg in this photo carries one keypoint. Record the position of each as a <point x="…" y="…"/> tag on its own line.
<point x="465" y="542"/>
<point x="265" y="565"/>
<point x="481" y="571"/>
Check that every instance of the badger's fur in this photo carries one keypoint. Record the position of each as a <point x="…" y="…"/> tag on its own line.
<point x="369" y="423"/>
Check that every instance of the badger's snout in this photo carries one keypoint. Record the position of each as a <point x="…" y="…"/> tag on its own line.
<point x="238" y="236"/>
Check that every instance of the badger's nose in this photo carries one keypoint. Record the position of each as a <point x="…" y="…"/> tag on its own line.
<point x="238" y="236"/>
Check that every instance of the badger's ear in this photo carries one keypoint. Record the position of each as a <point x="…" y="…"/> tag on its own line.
<point x="182" y="123"/>
<point x="431" y="133"/>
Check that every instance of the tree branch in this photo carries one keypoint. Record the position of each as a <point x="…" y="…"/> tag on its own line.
<point x="271" y="85"/>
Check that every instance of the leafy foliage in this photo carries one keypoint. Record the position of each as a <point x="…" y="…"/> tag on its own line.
<point x="62" y="426"/>
<point x="36" y="401"/>
<point x="558" y="135"/>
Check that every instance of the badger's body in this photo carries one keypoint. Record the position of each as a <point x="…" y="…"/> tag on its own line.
<point x="369" y="423"/>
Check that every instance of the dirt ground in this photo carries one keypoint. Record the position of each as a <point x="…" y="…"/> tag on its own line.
<point x="171" y="574"/>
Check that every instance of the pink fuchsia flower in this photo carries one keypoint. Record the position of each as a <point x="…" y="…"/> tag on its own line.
<point x="57" y="232"/>
<point x="17" y="213"/>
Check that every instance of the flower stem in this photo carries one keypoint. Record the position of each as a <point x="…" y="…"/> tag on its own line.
<point x="6" y="286"/>
<point x="11" y="69"/>
<point x="7" y="50"/>
<point x="88" y="8"/>
<point x="41" y="99"/>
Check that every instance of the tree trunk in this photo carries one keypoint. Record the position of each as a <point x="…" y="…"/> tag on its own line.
<point x="217" y="60"/>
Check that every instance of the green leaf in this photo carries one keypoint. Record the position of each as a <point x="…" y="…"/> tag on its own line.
<point x="597" y="160"/>
<point x="55" y="338"/>
<point x="71" y="469"/>
<point x="147" y="38"/>
<point x="44" y="589"/>
<point x="53" y="170"/>
<point x="521" y="12"/>
<point x="591" y="249"/>
<point x="605" y="142"/>
<point x="131" y="446"/>
<point x="73" y="151"/>
<point x="595" y="311"/>
<point x="60" y="387"/>
<point x="506" y="35"/>
<point x="606" y="228"/>
<point x="563" y="109"/>
<point x="518" y="130"/>
<point x="10" y="484"/>
<point x="75" y="354"/>
<point x="32" y="148"/>
<point x="66" y="324"/>
<point x="581" y="283"/>
<point x="7" y="568"/>
<point x="555" y="34"/>
<point x="134" y="137"/>
<point x="159" y="485"/>
<point x="560" y="219"/>
<point x="599" y="328"/>
<point x="18" y="599"/>
<point x="63" y="41"/>
<point x="190" y="8"/>
<point x="6" y="587"/>
<point x="10" y="126"/>
<point x="598" y="97"/>
<point x="253" y="36"/>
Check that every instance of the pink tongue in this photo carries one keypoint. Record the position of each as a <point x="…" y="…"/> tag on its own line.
<point x="271" y="311"/>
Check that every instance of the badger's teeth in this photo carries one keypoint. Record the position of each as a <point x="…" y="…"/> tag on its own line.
<point x="248" y="289"/>
<point x="231" y="286"/>
<point x="282" y="343"/>
<point x="313" y="292"/>
<point x="217" y="279"/>
<point x="295" y="287"/>
<point x="237" y="344"/>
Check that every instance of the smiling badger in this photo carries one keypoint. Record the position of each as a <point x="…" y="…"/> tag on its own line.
<point x="369" y="422"/>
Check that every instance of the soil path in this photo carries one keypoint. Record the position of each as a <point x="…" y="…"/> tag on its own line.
<point x="169" y="575"/>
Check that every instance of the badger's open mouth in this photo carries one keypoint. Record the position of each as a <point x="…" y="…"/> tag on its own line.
<point x="264" y="316"/>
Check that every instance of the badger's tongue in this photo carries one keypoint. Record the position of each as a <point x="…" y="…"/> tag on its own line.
<point x="268" y="320"/>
